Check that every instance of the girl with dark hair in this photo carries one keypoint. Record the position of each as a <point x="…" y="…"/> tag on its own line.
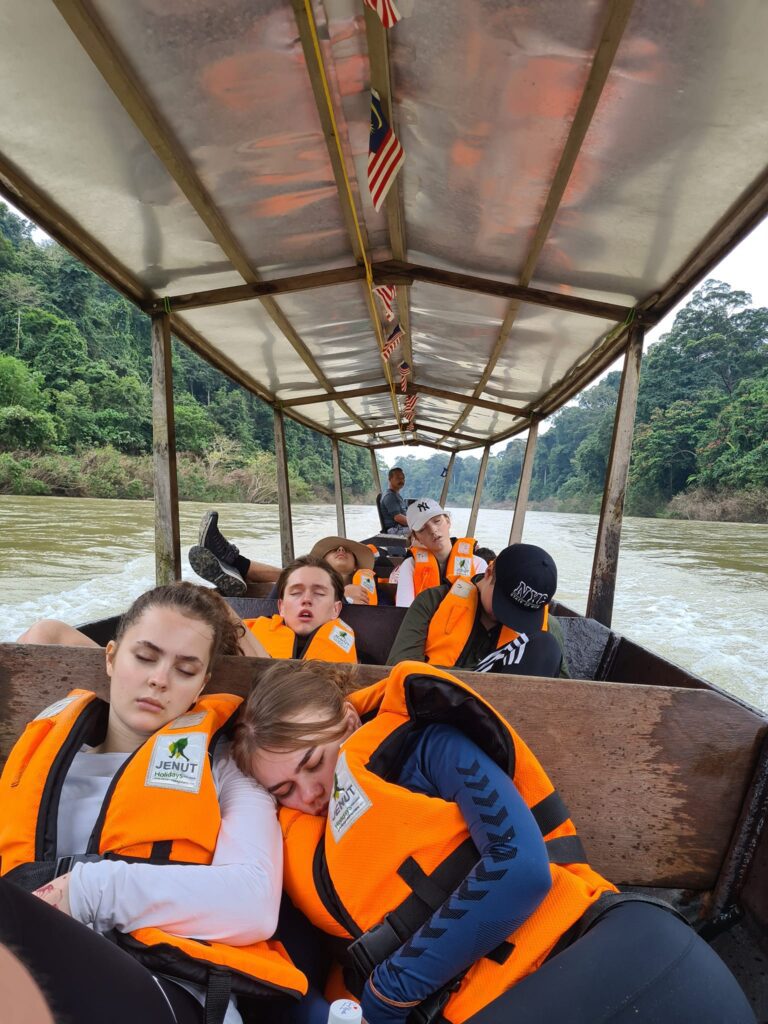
<point x="131" y="819"/>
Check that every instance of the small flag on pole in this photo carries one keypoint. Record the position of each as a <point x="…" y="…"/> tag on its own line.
<point x="405" y="372"/>
<point x="385" y="154"/>
<point x="386" y="292"/>
<point x="386" y="10"/>
<point x="392" y="342"/>
<point x="444" y="471"/>
<point x="410" y="405"/>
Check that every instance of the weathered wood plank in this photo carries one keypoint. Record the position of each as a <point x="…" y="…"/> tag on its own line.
<point x="166" y="488"/>
<point x="447" y="481"/>
<point x="478" y="492"/>
<point x="524" y="486"/>
<point x="283" y="490"/>
<point x="653" y="776"/>
<point x="338" y="491"/>
<point x="602" y="584"/>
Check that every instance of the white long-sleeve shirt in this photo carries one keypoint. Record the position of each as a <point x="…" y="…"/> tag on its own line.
<point x="403" y="576"/>
<point x="235" y="899"/>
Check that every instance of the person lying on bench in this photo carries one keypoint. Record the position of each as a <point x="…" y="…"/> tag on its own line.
<point x="310" y="596"/>
<point x="130" y="819"/>
<point x="498" y="622"/>
<point x="434" y="556"/>
<point x="217" y="560"/>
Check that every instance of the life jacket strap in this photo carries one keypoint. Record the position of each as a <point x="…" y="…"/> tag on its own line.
<point x="566" y="850"/>
<point x="428" y="892"/>
<point x="217" y="995"/>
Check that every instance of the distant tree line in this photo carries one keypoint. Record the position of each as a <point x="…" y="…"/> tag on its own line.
<point x="75" y="410"/>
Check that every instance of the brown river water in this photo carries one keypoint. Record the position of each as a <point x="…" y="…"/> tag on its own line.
<point x="696" y="593"/>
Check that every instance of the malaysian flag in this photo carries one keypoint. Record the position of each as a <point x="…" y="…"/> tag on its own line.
<point x="410" y="405"/>
<point x="385" y="154"/>
<point x="386" y="10"/>
<point x="405" y="371"/>
<point x="386" y="292"/>
<point x="392" y="342"/>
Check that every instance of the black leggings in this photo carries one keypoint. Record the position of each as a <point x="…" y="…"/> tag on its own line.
<point x="638" y="963"/>
<point x="84" y="977"/>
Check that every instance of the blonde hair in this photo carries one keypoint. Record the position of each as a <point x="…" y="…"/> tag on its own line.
<point x="285" y="692"/>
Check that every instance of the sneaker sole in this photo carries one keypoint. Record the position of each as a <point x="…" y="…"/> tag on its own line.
<point x="225" y="578"/>
<point x="210" y="518"/>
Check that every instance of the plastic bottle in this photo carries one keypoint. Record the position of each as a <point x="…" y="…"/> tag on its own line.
<point x="345" y="1011"/>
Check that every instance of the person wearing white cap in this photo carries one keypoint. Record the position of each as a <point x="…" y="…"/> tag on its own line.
<point x="434" y="556"/>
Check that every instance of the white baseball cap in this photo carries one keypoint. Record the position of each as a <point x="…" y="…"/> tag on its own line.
<point x="421" y="511"/>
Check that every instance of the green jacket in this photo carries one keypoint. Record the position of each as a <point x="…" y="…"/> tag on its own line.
<point x="411" y="638"/>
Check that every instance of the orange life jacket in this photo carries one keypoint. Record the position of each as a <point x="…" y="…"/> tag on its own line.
<point x="426" y="570"/>
<point x="366" y="578"/>
<point x="334" y="641"/>
<point x="161" y="808"/>
<point x="451" y="625"/>
<point x="349" y="873"/>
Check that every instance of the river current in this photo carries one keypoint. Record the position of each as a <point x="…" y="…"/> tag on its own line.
<point x="697" y="593"/>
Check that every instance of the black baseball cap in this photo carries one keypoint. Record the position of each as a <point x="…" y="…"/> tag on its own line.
<point x="525" y="583"/>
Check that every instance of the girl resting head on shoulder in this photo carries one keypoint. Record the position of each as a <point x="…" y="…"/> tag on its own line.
<point x="419" y="826"/>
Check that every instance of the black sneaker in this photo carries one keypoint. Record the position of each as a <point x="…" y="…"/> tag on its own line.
<point x="212" y="538"/>
<point x="225" y="578"/>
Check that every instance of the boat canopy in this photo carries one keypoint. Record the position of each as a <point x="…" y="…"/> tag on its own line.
<point x="571" y="170"/>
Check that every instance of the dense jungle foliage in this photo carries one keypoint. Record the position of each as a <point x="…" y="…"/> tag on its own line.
<point x="75" y="410"/>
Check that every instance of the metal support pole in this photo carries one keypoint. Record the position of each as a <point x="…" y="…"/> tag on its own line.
<point x="447" y="481"/>
<point x="341" y="526"/>
<point x="524" y="486"/>
<point x="167" y="542"/>
<point x="375" y="472"/>
<point x="283" y="490"/>
<point x="478" y="492"/>
<point x="602" y="585"/>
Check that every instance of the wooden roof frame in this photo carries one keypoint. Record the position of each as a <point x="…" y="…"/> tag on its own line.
<point x="738" y="221"/>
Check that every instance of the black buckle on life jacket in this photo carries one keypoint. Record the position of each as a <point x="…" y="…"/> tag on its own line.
<point x="371" y="949"/>
<point x="430" y="1010"/>
<point x="65" y="864"/>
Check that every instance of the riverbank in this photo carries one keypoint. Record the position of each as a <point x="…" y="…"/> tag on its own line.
<point x="107" y="473"/>
<point x="697" y="505"/>
<point x="217" y="478"/>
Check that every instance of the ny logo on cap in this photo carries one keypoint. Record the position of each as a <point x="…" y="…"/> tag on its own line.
<point x="422" y="506"/>
<point x="527" y="596"/>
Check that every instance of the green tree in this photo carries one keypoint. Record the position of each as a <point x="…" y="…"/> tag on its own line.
<point x="19" y="385"/>
<point x="22" y="428"/>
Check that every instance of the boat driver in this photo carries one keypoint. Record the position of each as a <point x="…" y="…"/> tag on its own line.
<point x="496" y="622"/>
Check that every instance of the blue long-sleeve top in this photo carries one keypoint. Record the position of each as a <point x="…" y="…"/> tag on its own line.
<point x="512" y="874"/>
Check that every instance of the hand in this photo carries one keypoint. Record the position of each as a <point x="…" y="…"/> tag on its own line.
<point x="357" y="594"/>
<point x="56" y="893"/>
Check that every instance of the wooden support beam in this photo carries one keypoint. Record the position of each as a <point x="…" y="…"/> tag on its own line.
<point x="447" y="481"/>
<point x="470" y="438"/>
<point x="375" y="474"/>
<point x="395" y="272"/>
<point x="167" y="538"/>
<point x="478" y="492"/>
<point x="283" y="490"/>
<point x="524" y="486"/>
<point x="470" y="400"/>
<point x="257" y="290"/>
<point x="341" y="526"/>
<point x="602" y="584"/>
<point x="337" y="396"/>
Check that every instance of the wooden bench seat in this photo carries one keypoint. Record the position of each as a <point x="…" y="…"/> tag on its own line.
<point x="655" y="777"/>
